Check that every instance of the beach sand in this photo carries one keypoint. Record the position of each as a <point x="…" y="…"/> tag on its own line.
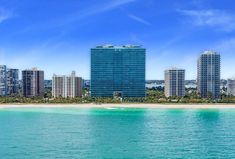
<point x="157" y="106"/>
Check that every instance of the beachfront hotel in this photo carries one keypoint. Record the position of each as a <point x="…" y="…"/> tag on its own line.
<point x="118" y="71"/>
<point x="174" y="82"/>
<point x="33" y="82"/>
<point x="67" y="86"/>
<point x="9" y="81"/>
<point x="208" y="75"/>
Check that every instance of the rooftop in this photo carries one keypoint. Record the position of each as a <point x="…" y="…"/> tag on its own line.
<point x="209" y="52"/>
<point x="32" y="69"/>
<point x="174" y="69"/>
<point x="73" y="73"/>
<point x="118" y="47"/>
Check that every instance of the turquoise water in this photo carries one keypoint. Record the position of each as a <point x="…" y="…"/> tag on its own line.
<point x="45" y="133"/>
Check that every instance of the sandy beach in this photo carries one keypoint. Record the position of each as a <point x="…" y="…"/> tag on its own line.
<point x="157" y="106"/>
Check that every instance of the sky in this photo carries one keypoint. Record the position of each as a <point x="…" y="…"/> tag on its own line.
<point x="56" y="35"/>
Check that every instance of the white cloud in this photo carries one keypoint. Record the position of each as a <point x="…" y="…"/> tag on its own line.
<point x="218" y="19"/>
<point x="96" y="9"/>
<point x="4" y="15"/>
<point x="138" y="19"/>
<point x="82" y="14"/>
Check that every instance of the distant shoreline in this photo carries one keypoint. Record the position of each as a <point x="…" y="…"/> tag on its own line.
<point x="152" y="106"/>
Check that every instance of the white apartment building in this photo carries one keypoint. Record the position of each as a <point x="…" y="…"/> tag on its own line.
<point x="67" y="86"/>
<point x="174" y="82"/>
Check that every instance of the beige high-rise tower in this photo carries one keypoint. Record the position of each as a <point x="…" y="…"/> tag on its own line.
<point x="67" y="86"/>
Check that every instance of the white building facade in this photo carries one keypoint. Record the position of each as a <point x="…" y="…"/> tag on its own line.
<point x="231" y="87"/>
<point x="175" y="82"/>
<point x="67" y="86"/>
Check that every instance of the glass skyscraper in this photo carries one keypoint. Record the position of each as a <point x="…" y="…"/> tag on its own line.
<point x="118" y="70"/>
<point x="3" y="80"/>
<point x="208" y="77"/>
<point x="9" y="81"/>
<point x="12" y="81"/>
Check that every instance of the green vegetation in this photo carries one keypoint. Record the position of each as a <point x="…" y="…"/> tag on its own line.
<point x="152" y="96"/>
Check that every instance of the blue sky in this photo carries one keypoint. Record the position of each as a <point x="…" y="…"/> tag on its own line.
<point x="56" y="35"/>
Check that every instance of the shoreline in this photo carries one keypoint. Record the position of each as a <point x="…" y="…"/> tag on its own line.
<point x="151" y="106"/>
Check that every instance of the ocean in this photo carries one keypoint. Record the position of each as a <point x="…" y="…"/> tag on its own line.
<point x="116" y="133"/>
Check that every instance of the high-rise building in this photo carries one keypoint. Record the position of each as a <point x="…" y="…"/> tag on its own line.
<point x="9" y="81"/>
<point x="33" y="82"/>
<point x="174" y="82"/>
<point x="12" y="81"/>
<point x="208" y="76"/>
<point x="118" y="71"/>
<point x="67" y="86"/>
<point x="3" y="80"/>
<point x="231" y="87"/>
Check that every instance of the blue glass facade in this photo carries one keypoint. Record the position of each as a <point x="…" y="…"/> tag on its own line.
<point x="209" y="75"/>
<point x="118" y="69"/>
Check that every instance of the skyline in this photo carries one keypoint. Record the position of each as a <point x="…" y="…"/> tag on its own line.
<point x="52" y="35"/>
